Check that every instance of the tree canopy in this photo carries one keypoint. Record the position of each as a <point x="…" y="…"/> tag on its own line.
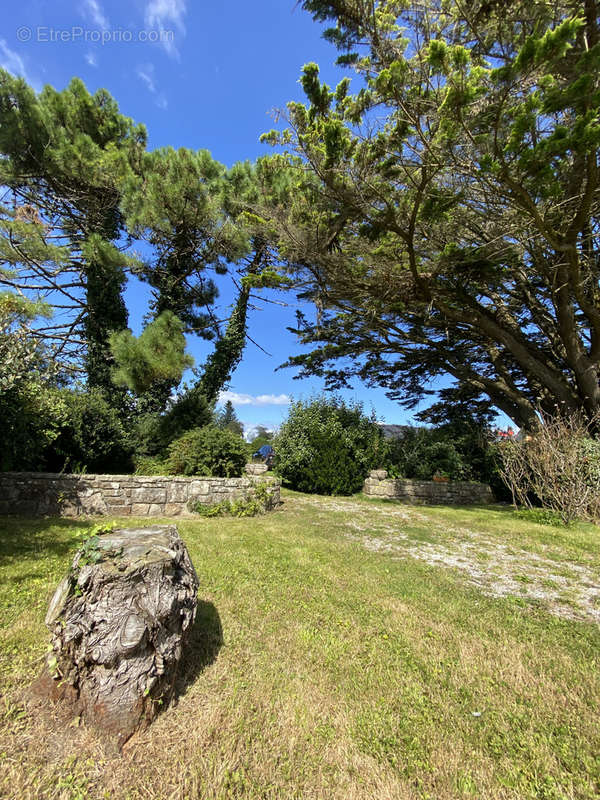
<point x="64" y="156"/>
<point x="444" y="217"/>
<point x="79" y="188"/>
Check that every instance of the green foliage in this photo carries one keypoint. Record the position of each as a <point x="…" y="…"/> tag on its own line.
<point x="106" y="311"/>
<point x="22" y="358"/>
<point x="176" y="204"/>
<point x="228" y="351"/>
<point x="151" y="432"/>
<point x="442" y="217"/>
<point x="227" y="419"/>
<point x="190" y="410"/>
<point x="327" y="446"/>
<point x="459" y="451"/>
<point x="158" y="354"/>
<point x="150" y="465"/>
<point x="65" y="154"/>
<point x="33" y="417"/>
<point x="207" y="451"/>
<point x="541" y="516"/>
<point x="417" y="456"/>
<point x="31" y="410"/>
<point x="250" y="506"/>
<point x="92" y="436"/>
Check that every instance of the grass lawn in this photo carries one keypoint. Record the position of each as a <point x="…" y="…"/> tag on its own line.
<point x="344" y="648"/>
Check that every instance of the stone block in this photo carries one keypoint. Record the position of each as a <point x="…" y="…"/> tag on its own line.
<point x="378" y="474"/>
<point x="178" y="492"/>
<point x="156" y="509"/>
<point x="199" y="487"/>
<point x="149" y="494"/>
<point x="118" y="511"/>
<point x="93" y="503"/>
<point x="174" y="509"/>
<point x="256" y="469"/>
<point x="140" y="509"/>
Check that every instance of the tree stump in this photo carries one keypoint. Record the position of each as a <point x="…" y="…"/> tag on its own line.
<point x="119" y="621"/>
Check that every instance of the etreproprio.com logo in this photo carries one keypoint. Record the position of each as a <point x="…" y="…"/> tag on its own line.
<point x="77" y="33"/>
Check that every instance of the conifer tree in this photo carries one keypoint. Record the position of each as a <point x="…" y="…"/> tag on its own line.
<point x="444" y="217"/>
<point x="65" y="155"/>
<point x="182" y="205"/>
<point x="156" y="356"/>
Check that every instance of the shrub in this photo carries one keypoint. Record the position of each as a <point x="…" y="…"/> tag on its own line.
<point x="32" y="419"/>
<point x="418" y="455"/>
<point x="152" y="433"/>
<point x="327" y="446"/>
<point x="92" y="438"/>
<point x="557" y="466"/>
<point x="459" y="450"/>
<point x="207" y="451"/>
<point x="150" y="465"/>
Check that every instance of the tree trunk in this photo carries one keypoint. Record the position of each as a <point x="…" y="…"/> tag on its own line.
<point x="119" y="621"/>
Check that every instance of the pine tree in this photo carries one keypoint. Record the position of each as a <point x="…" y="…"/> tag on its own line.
<point x="65" y="155"/>
<point x="156" y="356"/>
<point x="228" y="420"/>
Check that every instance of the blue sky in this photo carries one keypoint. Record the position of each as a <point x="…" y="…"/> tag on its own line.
<point x="199" y="75"/>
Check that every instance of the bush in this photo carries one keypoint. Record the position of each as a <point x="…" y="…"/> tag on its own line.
<point x="32" y="418"/>
<point x="556" y="466"/>
<point x="92" y="438"/>
<point x="152" y="433"/>
<point x="207" y="451"/>
<point x="418" y="455"/>
<point x="460" y="451"/>
<point x="327" y="446"/>
<point x="150" y="465"/>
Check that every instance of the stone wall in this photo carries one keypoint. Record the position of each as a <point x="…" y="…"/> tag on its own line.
<point x="40" y="493"/>
<point x="452" y="493"/>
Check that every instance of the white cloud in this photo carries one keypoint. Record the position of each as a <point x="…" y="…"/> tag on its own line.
<point x="239" y="399"/>
<point x="145" y="73"/>
<point x="12" y="62"/>
<point x="91" y="59"/>
<point x="251" y="429"/>
<point x="93" y="10"/>
<point x="164" y="15"/>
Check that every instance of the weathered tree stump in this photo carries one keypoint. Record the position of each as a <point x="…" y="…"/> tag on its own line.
<point x="119" y="621"/>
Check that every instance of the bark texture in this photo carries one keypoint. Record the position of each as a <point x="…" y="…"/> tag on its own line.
<point x="119" y="622"/>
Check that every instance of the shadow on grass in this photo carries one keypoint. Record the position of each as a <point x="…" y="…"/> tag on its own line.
<point x="21" y="537"/>
<point x="202" y="647"/>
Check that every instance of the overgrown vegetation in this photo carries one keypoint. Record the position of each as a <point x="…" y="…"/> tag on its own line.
<point x="461" y="450"/>
<point x="257" y="501"/>
<point x="557" y="466"/>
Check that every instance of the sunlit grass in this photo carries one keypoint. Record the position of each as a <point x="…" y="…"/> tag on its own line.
<point x="339" y="673"/>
